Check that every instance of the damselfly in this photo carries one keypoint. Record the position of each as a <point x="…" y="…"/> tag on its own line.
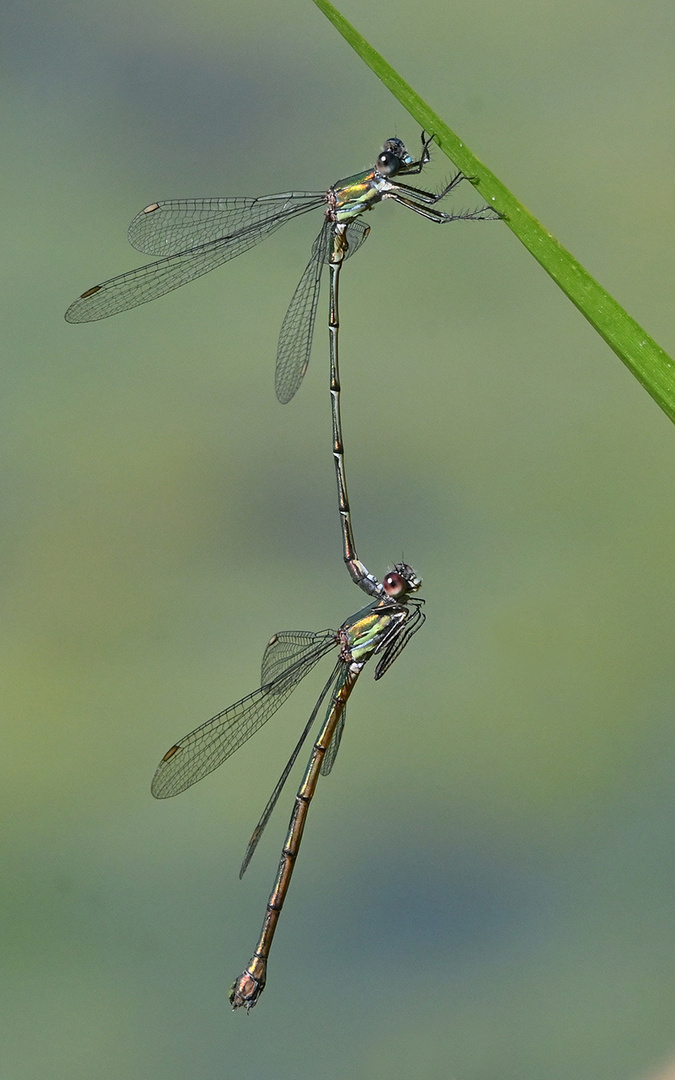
<point x="194" y="236"/>
<point x="381" y="630"/>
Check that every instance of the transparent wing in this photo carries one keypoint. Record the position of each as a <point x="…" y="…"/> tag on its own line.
<point x="334" y="745"/>
<point x="274" y="797"/>
<point x="286" y="648"/>
<point x="205" y="748"/>
<point x="148" y="282"/>
<point x="398" y="643"/>
<point x="297" y="329"/>
<point x="169" y="227"/>
<point x="356" y="234"/>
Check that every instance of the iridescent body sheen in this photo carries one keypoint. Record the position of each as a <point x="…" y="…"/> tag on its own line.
<point x="382" y="630"/>
<point x="193" y="236"/>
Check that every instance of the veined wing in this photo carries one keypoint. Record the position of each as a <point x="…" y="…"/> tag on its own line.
<point x="334" y="744"/>
<point x="297" y="329"/>
<point x="147" y="282"/>
<point x="287" y="648"/>
<point x="274" y="797"/>
<point x="172" y="226"/>
<point x="208" y="746"/>
<point x="356" y="234"/>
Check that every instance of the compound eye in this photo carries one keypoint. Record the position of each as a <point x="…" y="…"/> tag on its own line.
<point x="395" y="584"/>
<point x="388" y="164"/>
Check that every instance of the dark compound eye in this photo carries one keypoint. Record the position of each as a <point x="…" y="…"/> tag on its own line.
<point x="388" y="163"/>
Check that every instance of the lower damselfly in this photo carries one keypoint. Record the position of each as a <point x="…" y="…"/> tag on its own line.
<point x="194" y="236"/>
<point x="382" y="630"/>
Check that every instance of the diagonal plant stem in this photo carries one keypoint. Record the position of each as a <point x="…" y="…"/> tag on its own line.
<point x="649" y="363"/>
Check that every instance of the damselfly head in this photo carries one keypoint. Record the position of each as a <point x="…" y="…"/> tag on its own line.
<point x="393" y="156"/>
<point x="400" y="581"/>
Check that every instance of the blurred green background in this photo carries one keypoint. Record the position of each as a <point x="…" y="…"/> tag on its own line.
<point x="487" y="883"/>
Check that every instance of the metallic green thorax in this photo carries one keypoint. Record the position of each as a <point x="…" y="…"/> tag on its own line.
<point x="355" y="194"/>
<point x="371" y="629"/>
<point x="351" y="196"/>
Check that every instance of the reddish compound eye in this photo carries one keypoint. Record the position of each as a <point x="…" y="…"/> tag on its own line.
<point x="394" y="584"/>
<point x="400" y="581"/>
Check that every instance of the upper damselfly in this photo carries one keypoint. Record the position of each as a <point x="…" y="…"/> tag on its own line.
<point x="193" y="236"/>
<point x="382" y="629"/>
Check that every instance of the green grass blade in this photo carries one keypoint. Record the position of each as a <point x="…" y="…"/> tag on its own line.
<point x="649" y="363"/>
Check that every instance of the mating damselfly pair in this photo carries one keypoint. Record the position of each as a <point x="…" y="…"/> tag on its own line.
<point x="193" y="236"/>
